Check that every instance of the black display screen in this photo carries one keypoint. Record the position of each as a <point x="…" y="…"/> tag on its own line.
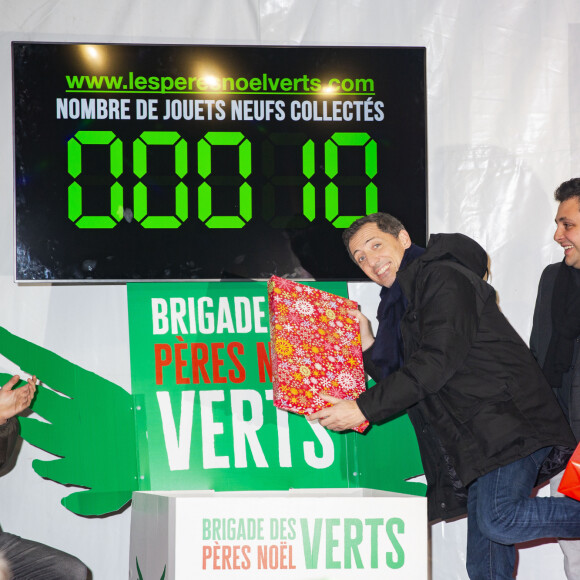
<point x="173" y="162"/>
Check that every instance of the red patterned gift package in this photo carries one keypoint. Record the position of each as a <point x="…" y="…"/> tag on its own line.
<point x="316" y="347"/>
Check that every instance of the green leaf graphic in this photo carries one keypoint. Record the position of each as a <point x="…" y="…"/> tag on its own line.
<point x="90" y="428"/>
<point x="140" y="575"/>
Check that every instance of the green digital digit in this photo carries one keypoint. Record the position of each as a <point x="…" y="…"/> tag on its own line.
<point x="204" y="168"/>
<point x="140" y="213"/>
<point x="308" y="169"/>
<point x="75" y="190"/>
<point x="307" y="205"/>
<point x="331" y="193"/>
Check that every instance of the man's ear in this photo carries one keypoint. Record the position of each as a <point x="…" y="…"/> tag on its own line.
<point x="404" y="238"/>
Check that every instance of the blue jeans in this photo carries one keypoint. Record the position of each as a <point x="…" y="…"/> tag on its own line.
<point x="501" y="513"/>
<point x="30" y="560"/>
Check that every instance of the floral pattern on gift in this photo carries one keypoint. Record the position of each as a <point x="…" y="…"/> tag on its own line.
<point x="316" y="347"/>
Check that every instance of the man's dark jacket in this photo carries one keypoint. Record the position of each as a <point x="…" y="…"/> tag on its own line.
<point x="474" y="393"/>
<point x="540" y="339"/>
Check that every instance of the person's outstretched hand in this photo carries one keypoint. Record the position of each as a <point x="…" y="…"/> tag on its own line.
<point x="367" y="337"/>
<point x="14" y="401"/>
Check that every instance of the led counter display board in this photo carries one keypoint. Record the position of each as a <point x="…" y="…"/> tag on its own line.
<point x="167" y="162"/>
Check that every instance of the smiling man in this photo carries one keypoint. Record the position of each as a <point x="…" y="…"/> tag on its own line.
<point x="568" y="221"/>
<point x="555" y="338"/>
<point x="379" y="254"/>
<point x="487" y="423"/>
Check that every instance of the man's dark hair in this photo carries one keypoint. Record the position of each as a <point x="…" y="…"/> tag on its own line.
<point x="568" y="189"/>
<point x="385" y="222"/>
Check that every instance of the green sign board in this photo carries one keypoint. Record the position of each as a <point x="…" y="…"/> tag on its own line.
<point x="201" y="381"/>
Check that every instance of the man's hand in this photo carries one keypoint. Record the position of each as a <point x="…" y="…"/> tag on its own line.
<point x="14" y="401"/>
<point x="367" y="337"/>
<point x="344" y="414"/>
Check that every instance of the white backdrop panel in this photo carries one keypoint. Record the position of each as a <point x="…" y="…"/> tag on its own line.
<point x="504" y="131"/>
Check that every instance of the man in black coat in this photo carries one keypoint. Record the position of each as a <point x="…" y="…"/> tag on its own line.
<point x="27" y="559"/>
<point x="488" y="425"/>
<point x="555" y="338"/>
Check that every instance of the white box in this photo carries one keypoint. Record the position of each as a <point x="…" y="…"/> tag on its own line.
<point x="298" y="534"/>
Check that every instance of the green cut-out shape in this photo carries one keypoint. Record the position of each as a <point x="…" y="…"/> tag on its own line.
<point x="141" y="575"/>
<point x="87" y="421"/>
